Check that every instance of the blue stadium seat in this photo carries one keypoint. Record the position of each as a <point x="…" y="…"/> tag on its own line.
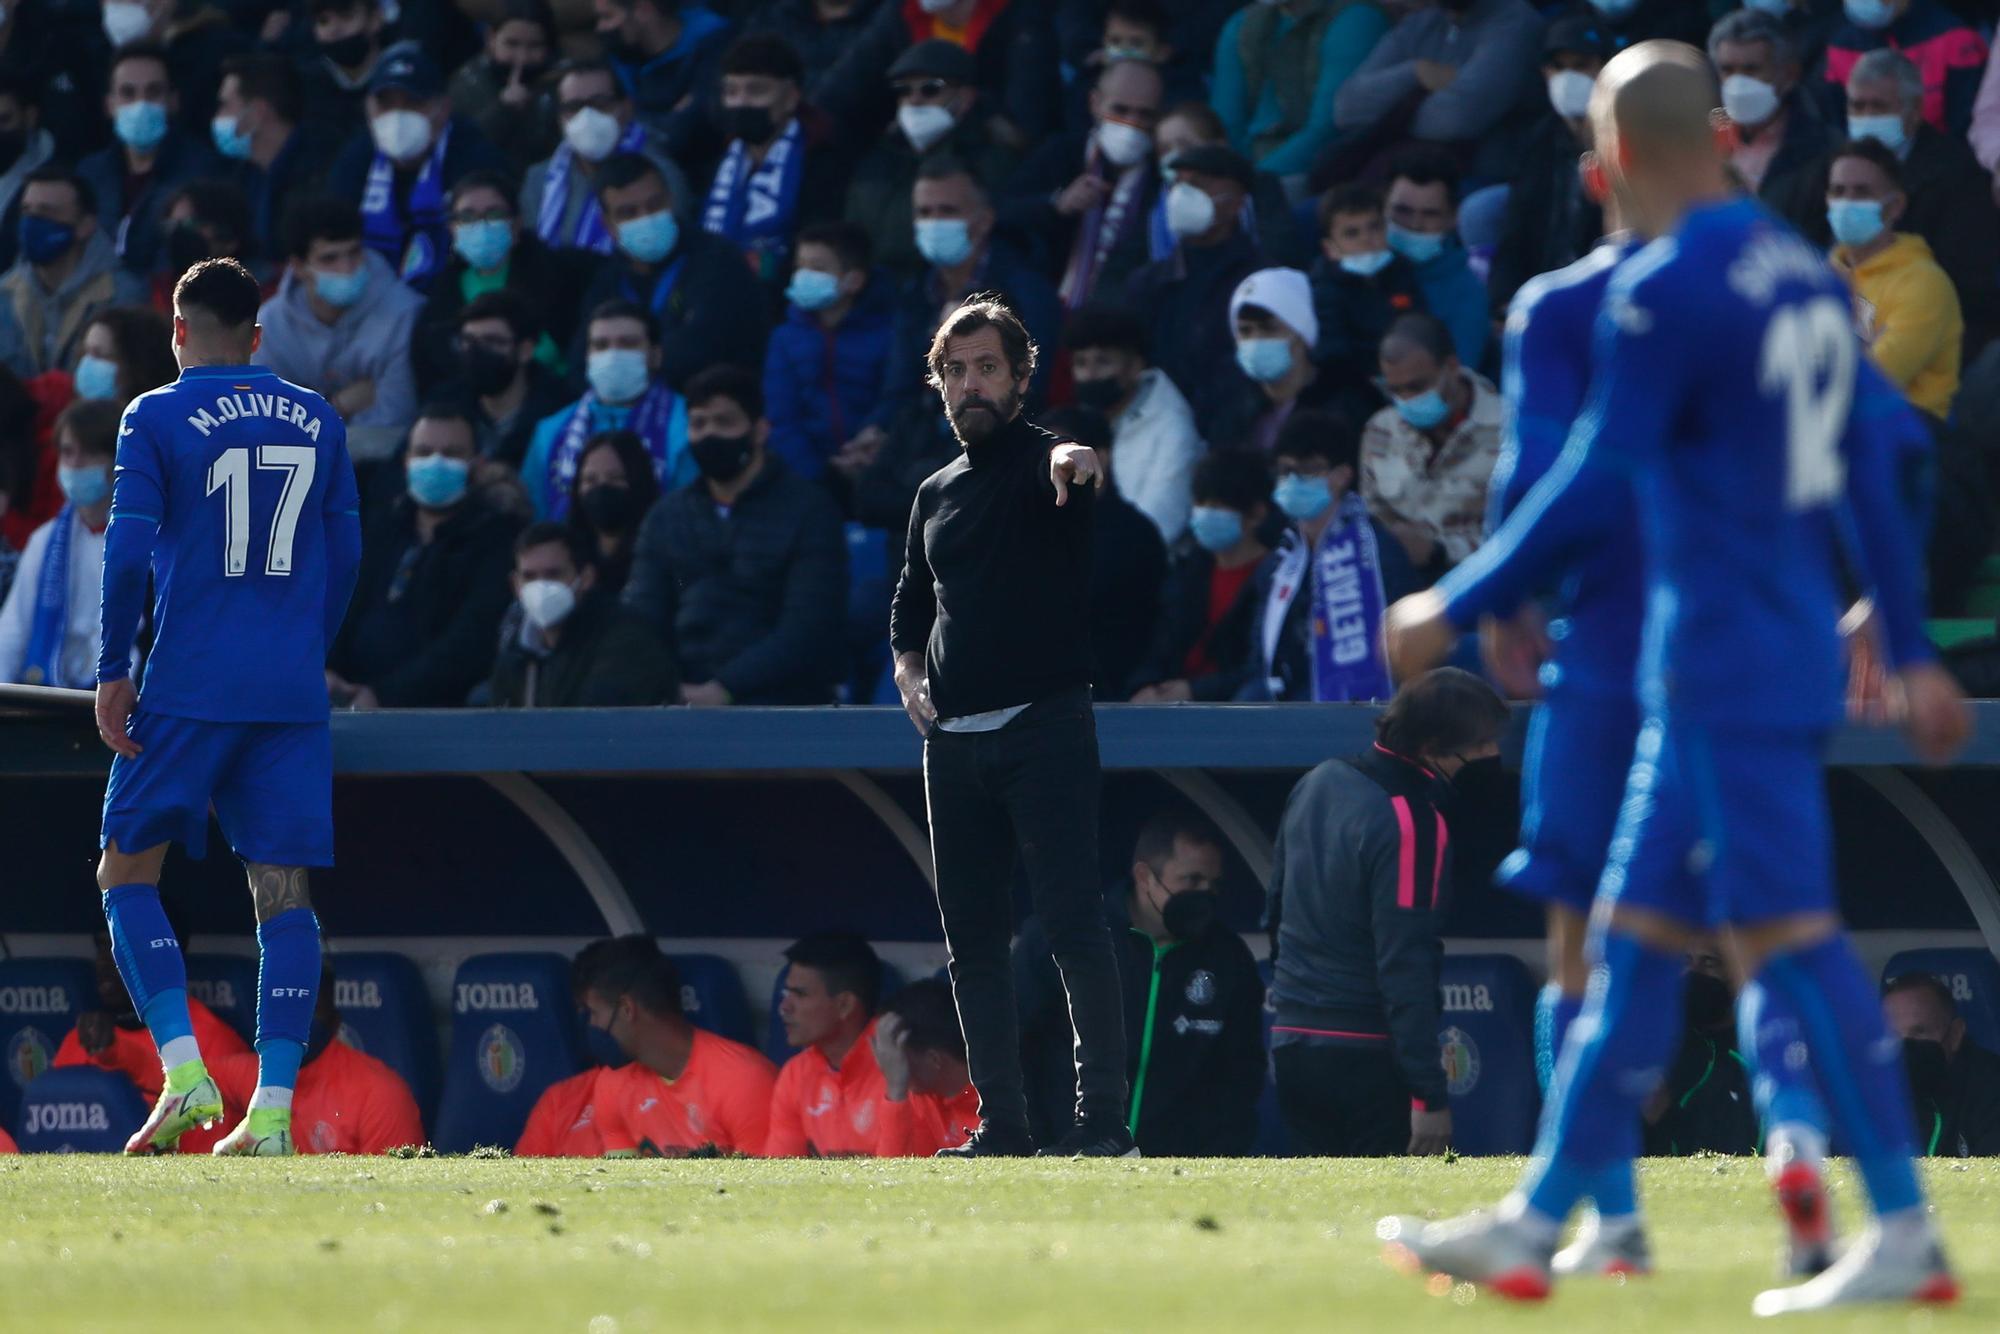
<point x="385" y="1011"/>
<point x="226" y="984"/>
<point x="712" y="996"/>
<point x="1488" y="1042"/>
<point x="1974" y="979"/>
<point x="80" y="1109"/>
<point x="39" y="1002"/>
<point x="775" y="1045"/>
<point x="514" y="1032"/>
<point x="1271" y="1139"/>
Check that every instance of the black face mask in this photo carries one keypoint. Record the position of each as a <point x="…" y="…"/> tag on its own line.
<point x="348" y="52"/>
<point x="486" y="371"/>
<point x="13" y="143"/>
<point x="1929" y="1068"/>
<point x="1706" y="1002"/>
<point x="753" y="125"/>
<point x="1188" y="915"/>
<point x="721" y="458"/>
<point x="186" y="247"/>
<point x="608" y="508"/>
<point x="1099" y="395"/>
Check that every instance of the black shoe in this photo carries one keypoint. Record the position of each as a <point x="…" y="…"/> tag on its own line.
<point x="1089" y="1139"/>
<point x="992" y="1141"/>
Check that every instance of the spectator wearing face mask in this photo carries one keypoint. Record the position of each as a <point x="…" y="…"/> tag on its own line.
<point x="66" y="272"/>
<point x="1947" y="51"/>
<point x="1319" y="597"/>
<point x="744" y="570"/>
<point x="1358" y="286"/>
<point x="347" y="45"/>
<point x="1422" y="206"/>
<point x="275" y="157"/>
<point x="938" y="110"/>
<point x="492" y="252"/>
<point x="690" y="281"/>
<point x="495" y="373"/>
<point x="49" y="623"/>
<point x="1009" y="58"/>
<point x="1276" y="331"/>
<point x="126" y="351"/>
<point x="500" y="90"/>
<point x="152" y="154"/>
<point x="1084" y="195"/>
<point x="614" y="492"/>
<point x="626" y="393"/>
<point x="1905" y="308"/>
<point x="1186" y="295"/>
<point x="1145" y="31"/>
<point x="566" y="643"/>
<point x="1954" y="1080"/>
<point x="825" y="364"/>
<point x="1193" y="1004"/>
<point x="342" y="325"/>
<point x="1278" y="68"/>
<point x="1201" y="638"/>
<point x="404" y="169"/>
<point x="1704" y="1104"/>
<point x="1550" y="221"/>
<point x="1426" y="459"/>
<point x="421" y="629"/>
<point x="1154" y="444"/>
<point x="598" y="120"/>
<point x="666" y="53"/>
<point x="1266" y="212"/>
<point x="1780" y="137"/>
<point x="196" y="37"/>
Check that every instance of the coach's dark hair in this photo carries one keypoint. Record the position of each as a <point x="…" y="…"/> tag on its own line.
<point x="221" y="288"/>
<point x="984" y="310"/>
<point x="1423" y="330"/>
<point x="1930" y="983"/>
<point x="621" y="309"/>
<point x="625" y="169"/>
<point x="849" y="241"/>
<point x="1319" y="433"/>
<point x="1105" y="324"/>
<point x="320" y="218"/>
<point x="847" y="963"/>
<point x="930" y="1019"/>
<point x="1444" y="710"/>
<point x="766" y="54"/>
<point x="1877" y="152"/>
<point x="94" y="423"/>
<point x="1236" y="478"/>
<point x="1345" y="199"/>
<point x="51" y="173"/>
<point x="265" y="76"/>
<point x="629" y="966"/>
<point x="1177" y="823"/>
<point x="543" y="532"/>
<point x="501" y="304"/>
<point x="145" y="342"/>
<point x="738" y="385"/>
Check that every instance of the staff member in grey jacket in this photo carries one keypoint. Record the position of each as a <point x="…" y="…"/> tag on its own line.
<point x="1359" y="871"/>
<point x="991" y="630"/>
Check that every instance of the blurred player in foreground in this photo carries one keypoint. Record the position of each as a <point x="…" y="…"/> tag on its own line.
<point x="1723" y="338"/>
<point x="234" y="490"/>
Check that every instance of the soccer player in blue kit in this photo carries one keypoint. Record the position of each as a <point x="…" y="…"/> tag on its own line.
<point x="234" y="488"/>
<point x="1723" y="383"/>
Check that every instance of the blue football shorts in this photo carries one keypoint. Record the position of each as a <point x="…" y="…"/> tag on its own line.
<point x="1573" y="774"/>
<point x="271" y="785"/>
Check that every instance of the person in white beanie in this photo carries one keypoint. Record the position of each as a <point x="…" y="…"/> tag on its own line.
<point x="1276" y="328"/>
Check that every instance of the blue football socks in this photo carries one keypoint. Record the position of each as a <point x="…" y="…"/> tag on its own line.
<point x="149" y="960"/>
<point x="287" y="989"/>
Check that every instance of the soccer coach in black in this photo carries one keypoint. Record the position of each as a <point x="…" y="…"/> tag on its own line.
<point x="990" y="627"/>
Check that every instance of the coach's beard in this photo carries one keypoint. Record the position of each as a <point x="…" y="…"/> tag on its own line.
<point x="974" y="420"/>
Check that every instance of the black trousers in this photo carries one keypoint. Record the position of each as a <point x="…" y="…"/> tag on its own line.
<point x="1342" y="1102"/>
<point x="1029" y="789"/>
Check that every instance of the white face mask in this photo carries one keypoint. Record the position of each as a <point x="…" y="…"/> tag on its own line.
<point x="1749" y="101"/>
<point x="1569" y="93"/>
<point x="401" y="135"/>
<point x="592" y="133"/>
<point x="1123" y="145"/>
<point x="547" y="603"/>
<point x="125" y="22"/>
<point x="925" y="125"/>
<point x="1190" y="211"/>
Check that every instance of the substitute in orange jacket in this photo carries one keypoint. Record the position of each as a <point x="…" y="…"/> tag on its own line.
<point x="564" y="1121"/>
<point x="921" y="1054"/>
<point x="830" y="1100"/>
<point x="685" y="1090"/>
<point x="346" y="1101"/>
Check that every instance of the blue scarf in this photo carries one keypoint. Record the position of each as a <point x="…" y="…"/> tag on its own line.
<point x="51" y="622"/>
<point x="1347" y="609"/>
<point x="589" y="233"/>
<point x="651" y="417"/>
<point x="384" y="226"/>
<point x="755" y="208"/>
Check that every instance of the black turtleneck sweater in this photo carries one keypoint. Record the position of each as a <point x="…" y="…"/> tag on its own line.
<point x="995" y="589"/>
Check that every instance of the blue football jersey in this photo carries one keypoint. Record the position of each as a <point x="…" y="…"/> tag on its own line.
<point x="1724" y="383"/>
<point x="1545" y="375"/>
<point x="240" y="471"/>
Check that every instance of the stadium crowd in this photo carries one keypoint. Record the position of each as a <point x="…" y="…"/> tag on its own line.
<point x="624" y="303"/>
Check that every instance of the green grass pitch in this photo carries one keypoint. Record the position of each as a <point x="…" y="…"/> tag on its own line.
<point x="442" y="1244"/>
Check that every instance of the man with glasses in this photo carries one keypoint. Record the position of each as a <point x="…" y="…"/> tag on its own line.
<point x="559" y="195"/>
<point x="506" y="389"/>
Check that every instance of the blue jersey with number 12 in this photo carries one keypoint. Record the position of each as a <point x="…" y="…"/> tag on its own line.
<point x="239" y="470"/>
<point x="1724" y="384"/>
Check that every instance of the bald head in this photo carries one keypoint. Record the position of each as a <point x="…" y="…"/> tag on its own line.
<point x="1656" y="97"/>
<point x="1130" y="91"/>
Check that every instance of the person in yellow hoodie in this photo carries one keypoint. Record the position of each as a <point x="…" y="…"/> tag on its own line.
<point x="1905" y="308"/>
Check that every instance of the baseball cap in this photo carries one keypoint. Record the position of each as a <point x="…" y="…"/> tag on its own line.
<point x="406" y="69"/>
<point x="1578" y="34"/>
<point x="935" y="59"/>
<point x="1216" y="160"/>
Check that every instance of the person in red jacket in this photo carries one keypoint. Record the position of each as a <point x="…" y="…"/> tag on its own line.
<point x="564" y="1121"/>
<point x="921" y="1053"/>
<point x="830" y="1098"/>
<point x="7" y="1144"/>
<point x="346" y="1101"/>
<point x="112" y="1037"/>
